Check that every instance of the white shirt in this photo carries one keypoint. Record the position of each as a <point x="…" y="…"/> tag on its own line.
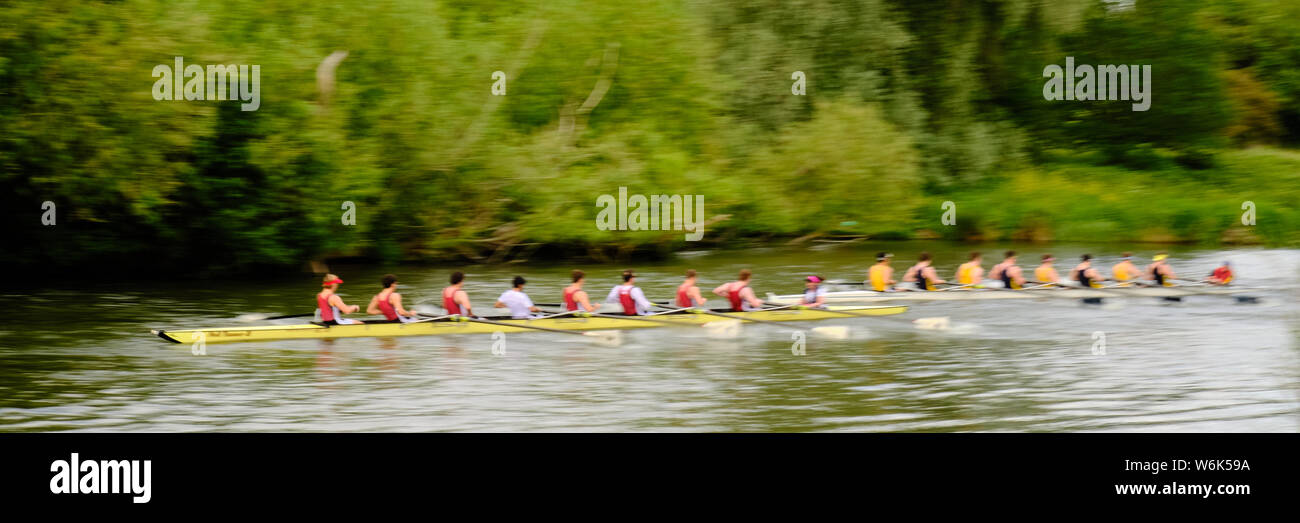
<point x="811" y="296"/>
<point x="643" y="305"/>
<point x="518" y="303"/>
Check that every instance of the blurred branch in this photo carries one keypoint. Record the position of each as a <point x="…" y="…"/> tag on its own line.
<point x="475" y="129"/>
<point x="569" y="116"/>
<point x="325" y="76"/>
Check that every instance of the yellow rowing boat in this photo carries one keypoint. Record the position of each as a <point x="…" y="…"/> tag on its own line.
<point x="449" y="326"/>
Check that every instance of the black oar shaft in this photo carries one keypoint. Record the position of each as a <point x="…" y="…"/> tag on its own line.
<point x="291" y="316"/>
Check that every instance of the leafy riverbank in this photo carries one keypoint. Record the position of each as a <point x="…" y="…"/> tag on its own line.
<point x="404" y="152"/>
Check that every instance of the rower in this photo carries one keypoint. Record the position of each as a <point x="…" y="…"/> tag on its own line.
<point x="521" y="307"/>
<point x="454" y="299"/>
<point x="629" y="296"/>
<point x="1221" y="276"/>
<point x="739" y="294"/>
<point x="688" y="294"/>
<point x="922" y="275"/>
<point x="389" y="303"/>
<point x="1008" y="272"/>
<point x="881" y="276"/>
<point x="1085" y="274"/>
<point x="971" y="272"/>
<point x="331" y="306"/>
<point x="1046" y="272"/>
<point x="1125" y="270"/>
<point x="575" y="297"/>
<point x="1160" y="271"/>
<point x="814" y="294"/>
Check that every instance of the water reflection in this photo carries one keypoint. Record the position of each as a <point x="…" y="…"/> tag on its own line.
<point x="1206" y="364"/>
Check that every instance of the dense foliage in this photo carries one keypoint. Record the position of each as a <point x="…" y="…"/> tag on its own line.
<point x="909" y="103"/>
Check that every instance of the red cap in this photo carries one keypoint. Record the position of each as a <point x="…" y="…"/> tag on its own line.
<point x="331" y="282"/>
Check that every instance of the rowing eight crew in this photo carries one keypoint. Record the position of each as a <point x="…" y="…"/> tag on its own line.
<point x="739" y="295"/>
<point x="923" y="276"/>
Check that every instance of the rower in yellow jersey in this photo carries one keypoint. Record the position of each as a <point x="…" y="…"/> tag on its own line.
<point x="1124" y="271"/>
<point x="971" y="273"/>
<point x="881" y="276"/>
<point x="1046" y="272"/>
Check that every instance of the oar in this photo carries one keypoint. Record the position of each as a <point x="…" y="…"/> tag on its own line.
<point x="628" y="318"/>
<point x="829" y="311"/>
<point x="428" y="317"/>
<point x="954" y="286"/>
<point x="829" y="332"/>
<point x="610" y="338"/>
<point x="259" y="317"/>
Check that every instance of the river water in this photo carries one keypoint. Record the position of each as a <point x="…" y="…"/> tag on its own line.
<point x="82" y="359"/>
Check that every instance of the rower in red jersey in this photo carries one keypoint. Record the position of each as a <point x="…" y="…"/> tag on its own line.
<point x="688" y="294"/>
<point x="1222" y="275"/>
<point x="331" y="306"/>
<point x="739" y="294"/>
<point x="389" y="303"/>
<point x="575" y="297"/>
<point x="454" y="299"/>
<point x="629" y="296"/>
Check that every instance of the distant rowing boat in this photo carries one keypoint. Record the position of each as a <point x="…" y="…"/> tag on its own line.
<point x="1004" y="294"/>
<point x="448" y="327"/>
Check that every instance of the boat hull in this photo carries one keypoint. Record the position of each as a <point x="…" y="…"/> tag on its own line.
<point x="443" y="328"/>
<point x="1003" y="294"/>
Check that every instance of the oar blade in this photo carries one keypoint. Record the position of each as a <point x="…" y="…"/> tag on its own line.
<point x="834" y="333"/>
<point x="723" y="329"/>
<point x="939" y="323"/>
<point x="606" y="338"/>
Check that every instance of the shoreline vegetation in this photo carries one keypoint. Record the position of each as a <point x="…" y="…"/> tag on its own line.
<point x="902" y="111"/>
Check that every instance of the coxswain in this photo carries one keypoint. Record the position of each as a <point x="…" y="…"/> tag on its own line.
<point x="881" y="276"/>
<point x="1125" y="270"/>
<point x="629" y="296"/>
<point x="1085" y="274"/>
<point x="814" y="295"/>
<point x="739" y="294"/>
<point x="389" y="303"/>
<point x="1008" y="272"/>
<point x="971" y="273"/>
<point x="331" y="306"/>
<point x="922" y="275"/>
<point x="1046" y="272"/>
<point x="454" y="299"/>
<point x="1221" y="276"/>
<point x="574" y="297"/>
<point x="1160" y="271"/>
<point x="688" y="294"/>
<point x="521" y="307"/>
